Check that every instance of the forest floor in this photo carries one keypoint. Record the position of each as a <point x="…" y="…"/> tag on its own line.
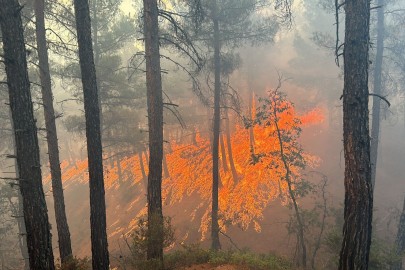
<point x="208" y="267"/>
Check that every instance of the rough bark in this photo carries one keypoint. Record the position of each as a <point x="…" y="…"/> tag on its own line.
<point x="400" y="241"/>
<point x="155" y="117"/>
<point x="94" y="26"/>
<point x="22" y="239"/>
<point x="65" y="246"/>
<point x="375" y="124"/>
<point x="358" y="190"/>
<point x="98" y="224"/>
<point x="39" y="239"/>
<point x="216" y="245"/>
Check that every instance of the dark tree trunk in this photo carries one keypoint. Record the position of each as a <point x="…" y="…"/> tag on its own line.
<point x="155" y="117"/>
<point x="358" y="190"/>
<point x="229" y="144"/>
<point x="98" y="223"/>
<point x="375" y="125"/>
<point x="65" y="246"/>
<point x="22" y="239"/>
<point x="39" y="239"/>
<point x="400" y="241"/>
<point x="97" y="59"/>
<point x="224" y="162"/>
<point x="216" y="245"/>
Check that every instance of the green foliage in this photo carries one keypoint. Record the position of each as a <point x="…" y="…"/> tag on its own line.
<point x="382" y="251"/>
<point x="74" y="263"/>
<point x="152" y="231"/>
<point x="194" y="255"/>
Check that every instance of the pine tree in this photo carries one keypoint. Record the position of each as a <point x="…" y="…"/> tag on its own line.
<point x="358" y="187"/>
<point x="39" y="240"/>
<point x="98" y="222"/>
<point x="65" y="246"/>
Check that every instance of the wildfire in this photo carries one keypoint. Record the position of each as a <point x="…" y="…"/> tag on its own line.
<point x="242" y="199"/>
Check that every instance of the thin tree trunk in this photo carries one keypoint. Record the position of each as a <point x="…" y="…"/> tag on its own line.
<point x="375" y="128"/>
<point x="224" y="161"/>
<point x="229" y="144"/>
<point x="358" y="188"/>
<point x="166" y="169"/>
<point x="144" y="177"/>
<point x="70" y="154"/>
<point x="301" y="239"/>
<point x="251" y="134"/>
<point x="39" y="239"/>
<point x="117" y="158"/>
<point x="98" y="222"/>
<point x="216" y="245"/>
<point x="65" y="246"/>
<point x="400" y="241"/>
<point x="155" y="119"/>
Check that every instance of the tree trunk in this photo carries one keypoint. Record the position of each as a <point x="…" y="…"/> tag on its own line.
<point x="229" y="144"/>
<point x="251" y="134"/>
<point x="22" y="239"/>
<point x="155" y="117"/>
<point x="39" y="239"/>
<point x="300" y="234"/>
<point x="98" y="223"/>
<point x="375" y="128"/>
<point x="65" y="246"/>
<point x="216" y="245"/>
<point x="117" y="158"/>
<point x="400" y="241"/>
<point x="70" y="154"/>
<point x="358" y="190"/>
<point x="96" y="59"/>
<point x="224" y="162"/>
<point x="144" y="177"/>
<point x="166" y="169"/>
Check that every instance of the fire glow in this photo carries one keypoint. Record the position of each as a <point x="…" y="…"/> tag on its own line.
<point x="242" y="198"/>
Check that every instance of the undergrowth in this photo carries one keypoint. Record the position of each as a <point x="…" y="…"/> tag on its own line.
<point x="194" y="255"/>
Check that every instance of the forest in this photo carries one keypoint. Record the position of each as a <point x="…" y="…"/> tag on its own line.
<point x="202" y="134"/>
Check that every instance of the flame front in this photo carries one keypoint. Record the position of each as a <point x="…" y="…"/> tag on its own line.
<point x="242" y="198"/>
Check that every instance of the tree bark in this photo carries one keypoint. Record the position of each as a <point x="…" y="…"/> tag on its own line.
<point x="400" y="241"/>
<point x="98" y="223"/>
<point x="39" y="239"/>
<point x="22" y="239"/>
<point x="155" y="117"/>
<point x="96" y="60"/>
<point x="216" y="245"/>
<point x="375" y="124"/>
<point x="65" y="246"/>
<point x="358" y="190"/>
